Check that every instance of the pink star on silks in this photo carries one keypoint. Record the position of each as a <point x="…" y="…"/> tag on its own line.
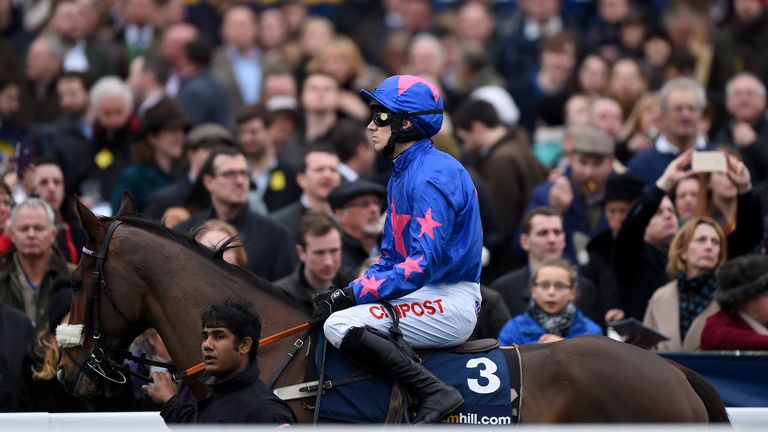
<point x="399" y="223"/>
<point x="411" y="265"/>
<point x="428" y="224"/>
<point x="371" y="286"/>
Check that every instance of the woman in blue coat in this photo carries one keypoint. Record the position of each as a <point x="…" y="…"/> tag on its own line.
<point x="551" y="316"/>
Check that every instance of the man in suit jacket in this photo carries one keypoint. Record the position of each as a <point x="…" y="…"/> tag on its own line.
<point x="543" y="238"/>
<point x="269" y="246"/>
<point x="237" y="62"/>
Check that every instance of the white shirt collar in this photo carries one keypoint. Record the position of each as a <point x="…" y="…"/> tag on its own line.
<point x="663" y="145"/>
<point x="348" y="173"/>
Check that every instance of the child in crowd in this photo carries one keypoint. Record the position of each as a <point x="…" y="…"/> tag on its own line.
<point x="551" y="315"/>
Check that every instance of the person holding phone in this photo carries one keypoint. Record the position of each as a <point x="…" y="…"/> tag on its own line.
<point x="682" y="102"/>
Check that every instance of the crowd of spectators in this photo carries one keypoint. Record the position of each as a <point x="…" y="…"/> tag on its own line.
<point x="579" y="121"/>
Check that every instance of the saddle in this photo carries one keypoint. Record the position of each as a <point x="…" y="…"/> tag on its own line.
<point x="479" y="369"/>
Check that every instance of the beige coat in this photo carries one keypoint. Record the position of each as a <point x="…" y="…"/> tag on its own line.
<point x="663" y="314"/>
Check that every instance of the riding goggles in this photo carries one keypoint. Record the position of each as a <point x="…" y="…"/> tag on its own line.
<point x="382" y="118"/>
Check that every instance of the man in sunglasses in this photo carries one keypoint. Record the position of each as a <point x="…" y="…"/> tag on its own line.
<point x="429" y="268"/>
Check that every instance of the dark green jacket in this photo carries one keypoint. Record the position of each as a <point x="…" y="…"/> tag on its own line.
<point x="11" y="290"/>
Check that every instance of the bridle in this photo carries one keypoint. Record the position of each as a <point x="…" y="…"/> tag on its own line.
<point x="98" y="366"/>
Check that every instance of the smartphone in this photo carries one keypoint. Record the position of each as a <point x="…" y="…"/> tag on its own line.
<point x="26" y="151"/>
<point x="709" y="161"/>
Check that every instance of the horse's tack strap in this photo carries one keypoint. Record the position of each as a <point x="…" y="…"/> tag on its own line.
<point x="309" y="388"/>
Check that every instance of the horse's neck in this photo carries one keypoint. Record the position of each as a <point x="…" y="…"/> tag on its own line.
<point x="174" y="308"/>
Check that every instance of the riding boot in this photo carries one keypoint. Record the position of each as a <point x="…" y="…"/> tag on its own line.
<point x="380" y="355"/>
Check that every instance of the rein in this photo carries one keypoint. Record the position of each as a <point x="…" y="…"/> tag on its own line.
<point x="100" y="366"/>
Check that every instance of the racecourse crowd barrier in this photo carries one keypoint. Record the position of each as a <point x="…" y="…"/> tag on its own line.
<point x="740" y="377"/>
<point x="743" y="419"/>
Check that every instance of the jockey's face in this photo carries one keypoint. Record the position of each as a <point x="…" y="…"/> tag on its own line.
<point x="223" y="357"/>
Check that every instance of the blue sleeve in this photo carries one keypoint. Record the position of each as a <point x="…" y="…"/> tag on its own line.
<point x="521" y="329"/>
<point x="431" y="225"/>
<point x="509" y="334"/>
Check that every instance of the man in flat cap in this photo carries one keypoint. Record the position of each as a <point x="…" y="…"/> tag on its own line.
<point x="358" y="206"/>
<point x="577" y="194"/>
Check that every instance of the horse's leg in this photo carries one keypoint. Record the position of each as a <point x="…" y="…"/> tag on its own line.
<point x="594" y="379"/>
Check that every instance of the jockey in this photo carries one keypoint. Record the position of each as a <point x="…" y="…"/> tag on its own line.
<point x="429" y="268"/>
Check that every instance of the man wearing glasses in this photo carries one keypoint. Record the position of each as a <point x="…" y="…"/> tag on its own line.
<point x="429" y="267"/>
<point x="226" y="178"/>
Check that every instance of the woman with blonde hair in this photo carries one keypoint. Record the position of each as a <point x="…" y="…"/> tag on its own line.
<point x="44" y="390"/>
<point x="680" y="308"/>
<point x="215" y="233"/>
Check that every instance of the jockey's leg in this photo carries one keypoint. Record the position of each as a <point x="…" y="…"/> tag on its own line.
<point x="428" y="319"/>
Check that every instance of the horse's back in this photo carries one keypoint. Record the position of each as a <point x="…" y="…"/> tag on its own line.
<point x="595" y="379"/>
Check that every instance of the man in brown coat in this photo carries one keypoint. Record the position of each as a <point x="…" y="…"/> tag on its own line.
<point x="504" y="161"/>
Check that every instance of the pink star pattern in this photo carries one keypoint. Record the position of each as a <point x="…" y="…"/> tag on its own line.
<point x="399" y="223"/>
<point x="371" y="286"/>
<point x="428" y="224"/>
<point x="407" y="81"/>
<point x="411" y="265"/>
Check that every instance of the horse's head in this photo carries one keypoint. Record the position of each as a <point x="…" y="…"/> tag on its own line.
<point x="104" y="311"/>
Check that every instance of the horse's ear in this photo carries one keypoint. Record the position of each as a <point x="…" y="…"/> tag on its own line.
<point x="127" y="205"/>
<point x="88" y="220"/>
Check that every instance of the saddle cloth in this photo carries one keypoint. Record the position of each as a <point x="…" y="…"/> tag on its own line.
<point x="481" y="377"/>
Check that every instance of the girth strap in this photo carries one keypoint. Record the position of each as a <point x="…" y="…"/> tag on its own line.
<point x="297" y="344"/>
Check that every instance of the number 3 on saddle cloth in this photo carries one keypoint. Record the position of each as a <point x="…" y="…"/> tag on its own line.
<point x="481" y="377"/>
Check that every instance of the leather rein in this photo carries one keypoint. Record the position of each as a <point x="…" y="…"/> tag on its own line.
<point x="99" y="366"/>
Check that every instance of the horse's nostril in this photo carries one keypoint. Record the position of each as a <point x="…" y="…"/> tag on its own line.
<point x="60" y="374"/>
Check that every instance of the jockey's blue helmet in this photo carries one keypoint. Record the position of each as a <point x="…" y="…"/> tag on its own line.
<point x="412" y="97"/>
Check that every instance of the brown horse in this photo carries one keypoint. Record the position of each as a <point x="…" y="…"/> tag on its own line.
<point x="154" y="277"/>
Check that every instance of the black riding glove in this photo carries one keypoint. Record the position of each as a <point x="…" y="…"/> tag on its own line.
<point x="333" y="300"/>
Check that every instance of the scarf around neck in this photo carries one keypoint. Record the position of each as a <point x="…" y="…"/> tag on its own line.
<point x="557" y="324"/>
<point x="695" y="294"/>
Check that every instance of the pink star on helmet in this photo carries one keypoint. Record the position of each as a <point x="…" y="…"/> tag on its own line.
<point x="399" y="223"/>
<point x="371" y="286"/>
<point x="428" y="224"/>
<point x="411" y="265"/>
<point x="407" y="81"/>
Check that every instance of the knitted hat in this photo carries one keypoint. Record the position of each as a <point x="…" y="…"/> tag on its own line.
<point x="741" y="280"/>
<point x="623" y="187"/>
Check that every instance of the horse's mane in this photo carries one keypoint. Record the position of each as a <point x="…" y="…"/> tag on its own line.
<point x="215" y="256"/>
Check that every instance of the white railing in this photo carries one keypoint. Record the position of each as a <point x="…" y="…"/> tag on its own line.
<point x="743" y="419"/>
